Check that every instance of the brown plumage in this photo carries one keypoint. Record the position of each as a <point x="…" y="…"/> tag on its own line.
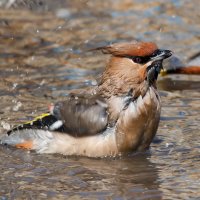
<point x="120" y="76"/>
<point x="120" y="116"/>
<point x="134" y="48"/>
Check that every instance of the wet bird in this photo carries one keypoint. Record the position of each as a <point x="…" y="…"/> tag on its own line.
<point x="119" y="116"/>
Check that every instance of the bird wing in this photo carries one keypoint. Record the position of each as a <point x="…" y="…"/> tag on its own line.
<point x="77" y="116"/>
<point x="82" y="115"/>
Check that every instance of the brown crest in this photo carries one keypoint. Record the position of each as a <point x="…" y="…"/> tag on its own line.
<point x="134" y="48"/>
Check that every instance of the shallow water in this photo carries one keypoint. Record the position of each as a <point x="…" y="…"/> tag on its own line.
<point x="43" y="59"/>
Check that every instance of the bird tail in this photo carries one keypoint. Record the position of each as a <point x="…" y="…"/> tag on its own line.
<point x="35" y="134"/>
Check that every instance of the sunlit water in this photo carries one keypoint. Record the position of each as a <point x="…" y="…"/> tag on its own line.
<point x="43" y="59"/>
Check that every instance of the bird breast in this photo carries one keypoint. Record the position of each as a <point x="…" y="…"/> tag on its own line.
<point x="138" y="123"/>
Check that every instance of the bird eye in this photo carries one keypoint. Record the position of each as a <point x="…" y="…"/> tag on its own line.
<point x="140" y="60"/>
<point x="137" y="60"/>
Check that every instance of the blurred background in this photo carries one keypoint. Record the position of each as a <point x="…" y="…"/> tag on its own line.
<point x="44" y="56"/>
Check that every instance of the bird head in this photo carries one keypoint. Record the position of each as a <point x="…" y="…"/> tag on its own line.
<point x="133" y="65"/>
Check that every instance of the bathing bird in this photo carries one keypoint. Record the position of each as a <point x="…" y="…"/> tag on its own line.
<point x="119" y="116"/>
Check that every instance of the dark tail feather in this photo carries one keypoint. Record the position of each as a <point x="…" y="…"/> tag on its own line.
<point x="34" y="135"/>
<point x="44" y="122"/>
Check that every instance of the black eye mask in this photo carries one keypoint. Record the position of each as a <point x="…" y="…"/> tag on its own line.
<point x="140" y="60"/>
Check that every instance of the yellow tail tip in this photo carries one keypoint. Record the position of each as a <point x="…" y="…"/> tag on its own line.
<point x="37" y="118"/>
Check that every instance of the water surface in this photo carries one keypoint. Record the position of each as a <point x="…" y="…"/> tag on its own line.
<point x="43" y="59"/>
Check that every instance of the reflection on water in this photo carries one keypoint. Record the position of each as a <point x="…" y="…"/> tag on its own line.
<point x="79" y="177"/>
<point x="180" y="83"/>
<point x="43" y="58"/>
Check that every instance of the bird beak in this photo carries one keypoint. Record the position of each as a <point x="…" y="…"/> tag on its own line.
<point x="160" y="54"/>
<point x="156" y="64"/>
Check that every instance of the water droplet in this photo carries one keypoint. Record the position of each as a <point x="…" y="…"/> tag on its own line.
<point x="5" y="125"/>
<point x="14" y="85"/>
<point x="42" y="82"/>
<point x="93" y="82"/>
<point x="17" y="106"/>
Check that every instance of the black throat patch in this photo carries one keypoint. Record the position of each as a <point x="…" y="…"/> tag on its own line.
<point x="153" y="70"/>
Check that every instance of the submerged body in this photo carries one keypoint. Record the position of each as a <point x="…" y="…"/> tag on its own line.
<point x="120" y="116"/>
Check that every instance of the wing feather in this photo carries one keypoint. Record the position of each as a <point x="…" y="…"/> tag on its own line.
<point x="82" y="115"/>
<point x="78" y="116"/>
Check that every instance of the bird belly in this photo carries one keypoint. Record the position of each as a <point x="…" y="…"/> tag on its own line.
<point x="138" y="124"/>
<point x="44" y="141"/>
